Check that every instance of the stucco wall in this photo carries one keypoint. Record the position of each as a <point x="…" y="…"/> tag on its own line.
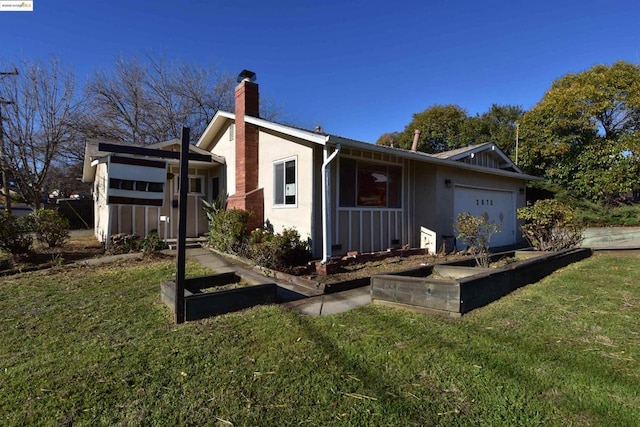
<point x="273" y="148"/>
<point x="227" y="149"/>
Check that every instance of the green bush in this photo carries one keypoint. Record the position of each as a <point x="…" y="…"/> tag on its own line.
<point x="550" y="225"/>
<point x="16" y="234"/>
<point x="229" y="231"/>
<point x="50" y="227"/>
<point x="152" y="243"/>
<point x="278" y="251"/>
<point x="476" y="231"/>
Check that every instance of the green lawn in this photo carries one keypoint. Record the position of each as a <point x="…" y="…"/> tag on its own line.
<point x="87" y="346"/>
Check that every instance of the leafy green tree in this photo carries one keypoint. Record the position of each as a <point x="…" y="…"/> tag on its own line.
<point x="497" y="125"/>
<point x="585" y="132"/>
<point x="446" y="127"/>
<point x="389" y="139"/>
<point x="441" y="129"/>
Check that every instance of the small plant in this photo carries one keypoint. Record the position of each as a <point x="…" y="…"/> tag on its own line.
<point x="15" y="234"/>
<point x="57" y="260"/>
<point x="476" y="231"/>
<point x="152" y="243"/>
<point x="550" y="225"/>
<point x="50" y="227"/>
<point x="212" y="209"/>
<point x="124" y="243"/>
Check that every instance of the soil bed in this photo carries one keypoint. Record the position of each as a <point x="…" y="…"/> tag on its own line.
<point x="360" y="270"/>
<point x="75" y="249"/>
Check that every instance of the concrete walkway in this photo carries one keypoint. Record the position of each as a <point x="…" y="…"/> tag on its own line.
<point x="314" y="303"/>
<point x="332" y="303"/>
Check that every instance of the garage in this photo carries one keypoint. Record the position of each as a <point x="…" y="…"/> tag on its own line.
<point x="498" y="204"/>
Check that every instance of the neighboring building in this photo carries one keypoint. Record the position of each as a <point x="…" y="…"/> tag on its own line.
<point x="137" y="195"/>
<point x="347" y="195"/>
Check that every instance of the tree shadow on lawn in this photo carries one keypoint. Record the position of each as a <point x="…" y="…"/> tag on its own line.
<point x="525" y="370"/>
<point x="375" y="387"/>
<point x="498" y="379"/>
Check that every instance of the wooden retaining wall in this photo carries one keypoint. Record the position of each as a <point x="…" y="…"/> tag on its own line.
<point x="454" y="297"/>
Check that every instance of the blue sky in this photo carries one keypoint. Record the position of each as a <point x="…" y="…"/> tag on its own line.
<point x="358" y="68"/>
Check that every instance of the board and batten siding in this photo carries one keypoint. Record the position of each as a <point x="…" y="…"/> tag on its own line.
<point x="368" y="229"/>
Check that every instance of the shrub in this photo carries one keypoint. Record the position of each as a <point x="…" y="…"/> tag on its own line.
<point x="122" y="243"/>
<point x="152" y="243"/>
<point x="229" y="231"/>
<point x="15" y="234"/>
<point x="550" y="225"/>
<point x="214" y="208"/>
<point x="50" y="227"/>
<point x="278" y="251"/>
<point x="476" y="231"/>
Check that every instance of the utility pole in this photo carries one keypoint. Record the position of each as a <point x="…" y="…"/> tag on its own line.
<point x="3" y="163"/>
<point x="517" y="140"/>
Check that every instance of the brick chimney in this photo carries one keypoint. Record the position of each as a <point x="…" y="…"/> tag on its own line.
<point x="247" y="196"/>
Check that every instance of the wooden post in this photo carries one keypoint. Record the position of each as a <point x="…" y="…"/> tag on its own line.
<point x="182" y="226"/>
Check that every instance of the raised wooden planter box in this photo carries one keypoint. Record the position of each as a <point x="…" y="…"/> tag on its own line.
<point x="200" y="304"/>
<point x="462" y="287"/>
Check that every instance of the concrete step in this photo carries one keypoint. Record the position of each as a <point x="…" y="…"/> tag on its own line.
<point x="190" y="243"/>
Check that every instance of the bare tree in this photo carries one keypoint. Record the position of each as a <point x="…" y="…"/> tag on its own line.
<point x="148" y="101"/>
<point x="38" y="121"/>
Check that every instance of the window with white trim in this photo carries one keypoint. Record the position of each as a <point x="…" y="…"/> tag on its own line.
<point x="364" y="184"/>
<point x="196" y="184"/>
<point x="285" y="187"/>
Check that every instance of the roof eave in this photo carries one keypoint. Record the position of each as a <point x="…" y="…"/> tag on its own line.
<point x="316" y="138"/>
<point x="213" y="128"/>
<point x="426" y="158"/>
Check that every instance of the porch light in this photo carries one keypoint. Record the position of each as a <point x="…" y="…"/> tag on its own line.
<point x="447" y="183"/>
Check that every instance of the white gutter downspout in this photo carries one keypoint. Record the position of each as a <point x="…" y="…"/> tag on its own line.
<point x="326" y="202"/>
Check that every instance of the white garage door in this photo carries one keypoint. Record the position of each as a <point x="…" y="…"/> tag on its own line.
<point x="499" y="205"/>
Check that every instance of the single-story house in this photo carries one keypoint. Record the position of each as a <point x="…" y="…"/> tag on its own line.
<point x="347" y="195"/>
<point x="135" y="194"/>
